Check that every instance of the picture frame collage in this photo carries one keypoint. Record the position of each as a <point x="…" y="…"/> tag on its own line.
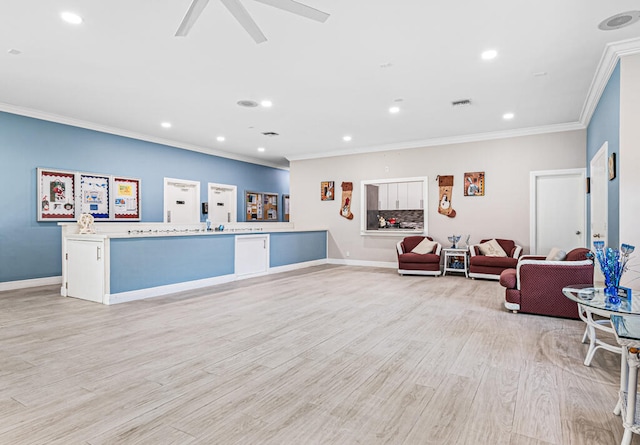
<point x="65" y="195"/>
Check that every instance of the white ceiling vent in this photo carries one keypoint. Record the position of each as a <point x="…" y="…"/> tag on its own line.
<point x="248" y="103"/>
<point x="619" y="20"/>
<point x="461" y="103"/>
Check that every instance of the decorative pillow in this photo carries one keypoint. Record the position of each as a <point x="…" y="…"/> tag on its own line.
<point x="491" y="248"/>
<point x="425" y="246"/>
<point x="556" y="255"/>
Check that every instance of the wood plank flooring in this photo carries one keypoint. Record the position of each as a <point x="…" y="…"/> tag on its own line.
<point x="325" y="355"/>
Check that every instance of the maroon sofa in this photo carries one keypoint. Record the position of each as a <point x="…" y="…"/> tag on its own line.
<point x="415" y="263"/>
<point x="481" y="266"/>
<point x="535" y="285"/>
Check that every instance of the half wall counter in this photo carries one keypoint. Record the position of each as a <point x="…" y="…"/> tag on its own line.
<point x="130" y="261"/>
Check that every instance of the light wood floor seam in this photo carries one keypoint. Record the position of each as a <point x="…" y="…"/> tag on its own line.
<point x="325" y="355"/>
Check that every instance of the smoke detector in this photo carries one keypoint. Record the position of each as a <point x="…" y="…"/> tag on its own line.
<point x="619" y="20"/>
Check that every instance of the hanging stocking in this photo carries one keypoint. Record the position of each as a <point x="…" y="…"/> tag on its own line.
<point x="345" y="207"/>
<point x="445" y="183"/>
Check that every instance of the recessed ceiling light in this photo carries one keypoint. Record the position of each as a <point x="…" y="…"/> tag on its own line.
<point x="71" y="17"/>
<point x="166" y="124"/>
<point x="346" y="138"/>
<point x="489" y="54"/>
<point x="394" y="110"/>
<point x="508" y="116"/>
<point x="540" y="74"/>
<point x="266" y="103"/>
<point x="260" y="149"/>
<point x="220" y="139"/>
<point x="619" y="20"/>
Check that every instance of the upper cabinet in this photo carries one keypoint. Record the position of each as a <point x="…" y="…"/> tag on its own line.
<point x="400" y="196"/>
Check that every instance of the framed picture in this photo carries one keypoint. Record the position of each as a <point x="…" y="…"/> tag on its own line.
<point x="94" y="195"/>
<point x="474" y="184"/>
<point x="56" y="195"/>
<point x="126" y="198"/>
<point x="612" y="166"/>
<point x="327" y="191"/>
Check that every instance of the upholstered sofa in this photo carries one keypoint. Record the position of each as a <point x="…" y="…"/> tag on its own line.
<point x="535" y="285"/>
<point x="484" y="266"/>
<point x="413" y="263"/>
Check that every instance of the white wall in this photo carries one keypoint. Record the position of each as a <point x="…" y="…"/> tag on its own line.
<point x="629" y="163"/>
<point x="503" y="212"/>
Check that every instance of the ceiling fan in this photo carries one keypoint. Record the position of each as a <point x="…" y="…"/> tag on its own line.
<point x="242" y="15"/>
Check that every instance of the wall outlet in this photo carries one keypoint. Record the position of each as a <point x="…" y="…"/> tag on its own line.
<point x="347" y="253"/>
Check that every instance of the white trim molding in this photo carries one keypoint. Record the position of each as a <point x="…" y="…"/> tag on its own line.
<point x="34" y="282"/>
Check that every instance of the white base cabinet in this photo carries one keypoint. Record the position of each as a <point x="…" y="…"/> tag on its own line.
<point x="85" y="269"/>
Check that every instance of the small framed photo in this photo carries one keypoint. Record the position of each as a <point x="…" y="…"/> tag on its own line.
<point x="474" y="184"/>
<point x="612" y="166"/>
<point x="327" y="191"/>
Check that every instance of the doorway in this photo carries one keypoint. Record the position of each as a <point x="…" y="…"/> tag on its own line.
<point x="599" y="201"/>
<point x="558" y="210"/>
<point x="223" y="200"/>
<point x="181" y="201"/>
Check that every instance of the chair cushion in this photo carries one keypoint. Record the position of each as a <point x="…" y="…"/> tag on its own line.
<point x="492" y="248"/>
<point x="508" y="278"/>
<point x="425" y="246"/>
<point x="419" y="258"/>
<point x="556" y="255"/>
<point x="492" y="261"/>
<point x="577" y="254"/>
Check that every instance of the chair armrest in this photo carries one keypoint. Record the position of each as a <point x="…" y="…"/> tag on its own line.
<point x="472" y="250"/>
<point x="399" y="247"/>
<point x="438" y="249"/>
<point x="517" y="251"/>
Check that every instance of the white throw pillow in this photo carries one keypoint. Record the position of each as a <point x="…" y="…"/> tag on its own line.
<point x="556" y="255"/>
<point x="425" y="246"/>
<point x="491" y="248"/>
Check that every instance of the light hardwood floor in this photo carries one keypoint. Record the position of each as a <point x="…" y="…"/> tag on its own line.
<point x="325" y="355"/>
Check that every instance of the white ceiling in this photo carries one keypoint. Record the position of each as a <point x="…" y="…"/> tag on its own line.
<point x="123" y="70"/>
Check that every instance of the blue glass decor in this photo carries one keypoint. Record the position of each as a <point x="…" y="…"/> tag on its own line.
<point x="613" y="262"/>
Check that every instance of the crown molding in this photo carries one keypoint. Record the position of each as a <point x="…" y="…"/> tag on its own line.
<point x="478" y="137"/>
<point x="50" y="117"/>
<point x="610" y="56"/>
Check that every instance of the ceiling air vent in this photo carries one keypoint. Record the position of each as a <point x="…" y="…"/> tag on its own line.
<point x="248" y="103"/>
<point x="461" y="103"/>
<point x="270" y="133"/>
<point x="620" y="20"/>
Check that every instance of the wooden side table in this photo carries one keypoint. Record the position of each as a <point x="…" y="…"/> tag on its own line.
<point x="452" y="261"/>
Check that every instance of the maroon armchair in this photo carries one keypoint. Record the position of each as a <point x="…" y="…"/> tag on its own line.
<point x="483" y="266"/>
<point x="535" y="285"/>
<point x="412" y="263"/>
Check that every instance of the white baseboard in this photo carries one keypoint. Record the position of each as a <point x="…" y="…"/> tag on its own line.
<point x="296" y="266"/>
<point x="34" y="282"/>
<point x="343" y="262"/>
<point x="158" y="291"/>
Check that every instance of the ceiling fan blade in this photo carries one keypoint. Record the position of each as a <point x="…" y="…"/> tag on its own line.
<point x="194" y="11"/>
<point x="298" y="9"/>
<point x="242" y="16"/>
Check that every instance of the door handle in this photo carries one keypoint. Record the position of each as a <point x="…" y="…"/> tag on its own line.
<point x="98" y="253"/>
<point x="597" y="235"/>
<point x="578" y="232"/>
<point x="168" y="216"/>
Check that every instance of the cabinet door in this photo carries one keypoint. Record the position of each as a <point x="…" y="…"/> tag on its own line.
<point x="85" y="270"/>
<point x="403" y="198"/>
<point x="383" y="197"/>
<point x="252" y="255"/>
<point x="414" y="195"/>
<point x="392" y="196"/>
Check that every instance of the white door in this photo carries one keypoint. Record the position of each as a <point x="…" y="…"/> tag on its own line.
<point x="222" y="203"/>
<point x="599" y="201"/>
<point x="558" y="210"/>
<point x="85" y="270"/>
<point x="252" y="255"/>
<point x="181" y="201"/>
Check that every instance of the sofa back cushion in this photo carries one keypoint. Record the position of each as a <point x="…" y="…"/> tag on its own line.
<point x="509" y="246"/>
<point x="577" y="254"/>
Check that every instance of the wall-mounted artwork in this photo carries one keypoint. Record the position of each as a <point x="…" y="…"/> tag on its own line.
<point x="327" y="190"/>
<point x="94" y="195"/>
<point x="474" y="184"/>
<point x="56" y="195"/>
<point x="126" y="193"/>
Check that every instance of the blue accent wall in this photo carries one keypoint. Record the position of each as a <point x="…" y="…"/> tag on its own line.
<point x="605" y="127"/>
<point x="139" y="263"/>
<point x="290" y="248"/>
<point x="31" y="249"/>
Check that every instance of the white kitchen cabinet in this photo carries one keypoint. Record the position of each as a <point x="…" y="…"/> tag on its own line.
<point x="414" y="196"/>
<point x="383" y="197"/>
<point x="85" y="269"/>
<point x="392" y="196"/>
<point x="252" y="255"/>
